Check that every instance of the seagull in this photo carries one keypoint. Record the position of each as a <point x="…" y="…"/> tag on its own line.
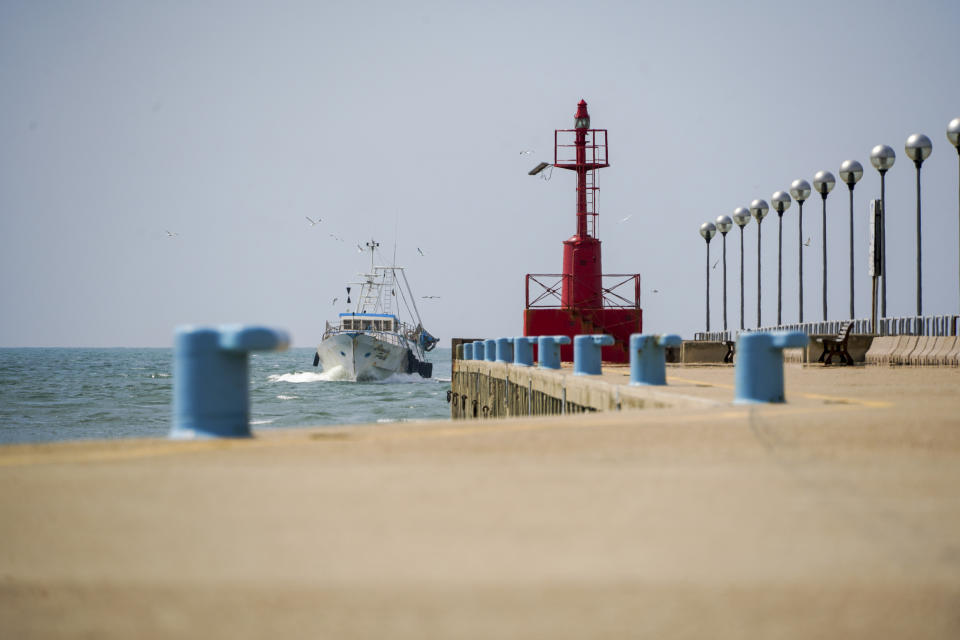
<point x="656" y="291"/>
<point x="359" y="248"/>
<point x="627" y="218"/>
<point x="336" y="237"/>
<point x="807" y="243"/>
<point x="334" y="301"/>
<point x="312" y="222"/>
<point x="526" y="152"/>
<point x="715" y="263"/>
<point x="171" y="234"/>
<point x="430" y="297"/>
<point x="420" y="251"/>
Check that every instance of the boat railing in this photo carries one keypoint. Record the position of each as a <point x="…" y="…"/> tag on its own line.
<point x="384" y="336"/>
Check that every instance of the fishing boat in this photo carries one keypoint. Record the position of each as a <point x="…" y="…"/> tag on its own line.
<point x="372" y="342"/>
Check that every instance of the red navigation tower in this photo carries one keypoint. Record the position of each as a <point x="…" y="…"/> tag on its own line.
<point x="588" y="301"/>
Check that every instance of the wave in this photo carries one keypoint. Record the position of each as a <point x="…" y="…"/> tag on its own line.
<point x="404" y="378"/>
<point x="261" y="421"/>
<point x="283" y="397"/>
<point x="339" y="374"/>
<point x="300" y="376"/>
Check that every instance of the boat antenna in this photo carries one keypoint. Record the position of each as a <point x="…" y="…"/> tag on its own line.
<point x="372" y="245"/>
<point x="396" y="231"/>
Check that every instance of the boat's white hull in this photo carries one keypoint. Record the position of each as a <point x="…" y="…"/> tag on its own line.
<point x="361" y="356"/>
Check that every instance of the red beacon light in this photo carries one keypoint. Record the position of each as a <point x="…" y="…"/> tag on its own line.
<point x="582" y="299"/>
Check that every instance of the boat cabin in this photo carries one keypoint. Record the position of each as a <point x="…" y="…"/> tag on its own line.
<point x="368" y="322"/>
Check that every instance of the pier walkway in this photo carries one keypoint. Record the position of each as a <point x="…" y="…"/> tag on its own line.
<point x="835" y="515"/>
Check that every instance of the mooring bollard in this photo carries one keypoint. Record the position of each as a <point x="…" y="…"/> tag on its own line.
<point x="505" y="350"/>
<point x="490" y="350"/>
<point x="648" y="357"/>
<point x="586" y="353"/>
<point x="467" y="350"/>
<point x="478" y="349"/>
<point x="548" y="348"/>
<point x="523" y="350"/>
<point x="758" y="373"/>
<point x="211" y="396"/>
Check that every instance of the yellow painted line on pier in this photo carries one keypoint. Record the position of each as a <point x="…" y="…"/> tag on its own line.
<point x="542" y="423"/>
<point x="872" y="404"/>
<point x="701" y="383"/>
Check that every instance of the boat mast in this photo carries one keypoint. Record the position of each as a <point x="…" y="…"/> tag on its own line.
<point x="372" y="246"/>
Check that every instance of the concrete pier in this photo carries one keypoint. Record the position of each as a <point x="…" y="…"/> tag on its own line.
<point x="834" y="515"/>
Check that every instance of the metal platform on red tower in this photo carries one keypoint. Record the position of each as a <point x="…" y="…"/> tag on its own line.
<point x="582" y="299"/>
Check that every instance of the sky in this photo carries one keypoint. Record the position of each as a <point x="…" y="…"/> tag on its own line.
<point x="229" y="123"/>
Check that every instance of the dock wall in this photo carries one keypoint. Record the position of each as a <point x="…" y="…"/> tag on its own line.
<point x="481" y="389"/>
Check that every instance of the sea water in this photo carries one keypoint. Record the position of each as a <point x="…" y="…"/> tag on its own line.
<point x="70" y="394"/>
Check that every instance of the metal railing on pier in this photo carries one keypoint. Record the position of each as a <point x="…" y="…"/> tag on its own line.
<point x="904" y="326"/>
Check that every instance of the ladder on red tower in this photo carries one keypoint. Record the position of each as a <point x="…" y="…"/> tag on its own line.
<point x="591" y="199"/>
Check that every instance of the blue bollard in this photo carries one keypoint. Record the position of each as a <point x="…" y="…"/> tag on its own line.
<point x="523" y="350"/>
<point x="478" y="349"/>
<point x="505" y="350"/>
<point x="490" y="350"/>
<point x="468" y="351"/>
<point x="758" y="374"/>
<point x="586" y="353"/>
<point x="549" y="350"/>
<point x="648" y="357"/>
<point x="211" y="378"/>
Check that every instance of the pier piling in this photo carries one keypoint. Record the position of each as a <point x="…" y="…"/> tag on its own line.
<point x="648" y="358"/>
<point x="211" y="378"/>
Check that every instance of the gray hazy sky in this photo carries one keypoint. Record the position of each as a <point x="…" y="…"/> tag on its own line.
<point x="229" y="122"/>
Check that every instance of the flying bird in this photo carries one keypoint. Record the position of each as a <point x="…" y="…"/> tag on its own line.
<point x="430" y="297"/>
<point x="716" y="263"/>
<point x="627" y="218"/>
<point x="526" y="152"/>
<point x="336" y="237"/>
<point x="334" y="301"/>
<point x="171" y="234"/>
<point x="420" y="251"/>
<point x="312" y="222"/>
<point x="656" y="291"/>
<point x="359" y="248"/>
<point x="807" y="243"/>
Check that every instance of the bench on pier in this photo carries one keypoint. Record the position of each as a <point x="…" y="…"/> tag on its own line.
<point x="837" y="346"/>
<point x="731" y="346"/>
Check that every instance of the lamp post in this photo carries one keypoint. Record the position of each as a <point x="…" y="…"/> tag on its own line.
<point x="759" y="209"/>
<point x="708" y="230"/>
<point x="918" y="148"/>
<point x="724" y="224"/>
<point x="850" y="172"/>
<point x="781" y="202"/>
<point x="800" y="189"/>
<point x="882" y="158"/>
<point x="953" y="135"/>
<point x="823" y="182"/>
<point x="741" y="217"/>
